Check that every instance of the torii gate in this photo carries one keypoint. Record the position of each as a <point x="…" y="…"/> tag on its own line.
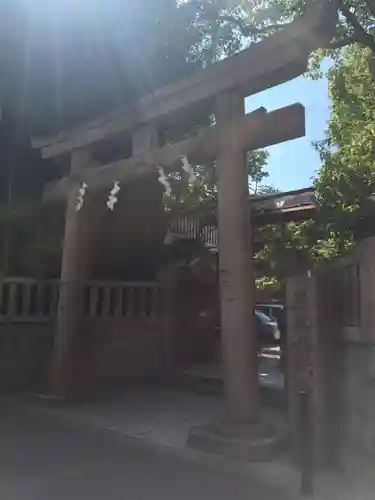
<point x="222" y="88"/>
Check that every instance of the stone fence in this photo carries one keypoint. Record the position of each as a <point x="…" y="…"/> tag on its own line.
<point x="123" y="331"/>
<point x="331" y="347"/>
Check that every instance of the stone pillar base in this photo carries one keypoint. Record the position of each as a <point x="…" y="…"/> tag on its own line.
<point x="247" y="441"/>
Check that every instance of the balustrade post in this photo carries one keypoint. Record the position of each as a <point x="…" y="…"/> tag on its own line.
<point x="167" y="278"/>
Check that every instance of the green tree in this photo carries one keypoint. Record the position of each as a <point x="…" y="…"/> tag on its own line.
<point x="65" y="63"/>
<point x="346" y="180"/>
<point x="204" y="192"/>
<point x="255" y="19"/>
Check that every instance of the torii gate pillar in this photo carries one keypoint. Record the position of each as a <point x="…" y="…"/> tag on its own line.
<point x="239" y="350"/>
<point x="75" y="269"/>
<point x="243" y="433"/>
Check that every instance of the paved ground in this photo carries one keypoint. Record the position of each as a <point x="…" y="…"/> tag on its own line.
<point x="42" y="457"/>
<point x="158" y="417"/>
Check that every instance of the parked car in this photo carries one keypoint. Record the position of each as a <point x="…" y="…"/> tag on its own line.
<point x="267" y="328"/>
<point x="275" y="310"/>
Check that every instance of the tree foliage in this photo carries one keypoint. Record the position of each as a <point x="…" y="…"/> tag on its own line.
<point x="345" y="183"/>
<point x="346" y="179"/>
<point x="256" y="19"/>
<point x="67" y="62"/>
<point x="204" y="192"/>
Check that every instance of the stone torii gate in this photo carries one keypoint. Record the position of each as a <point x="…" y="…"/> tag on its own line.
<point x="221" y="89"/>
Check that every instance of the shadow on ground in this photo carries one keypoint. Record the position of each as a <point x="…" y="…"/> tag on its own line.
<point x="42" y="457"/>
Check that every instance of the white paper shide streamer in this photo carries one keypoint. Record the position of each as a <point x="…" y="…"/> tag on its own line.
<point x="163" y="179"/>
<point x="112" y="199"/>
<point x="81" y="196"/>
<point x="189" y="170"/>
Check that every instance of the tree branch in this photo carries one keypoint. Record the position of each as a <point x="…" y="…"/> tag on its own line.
<point x="342" y="42"/>
<point x="360" y="35"/>
<point x="248" y="29"/>
<point x="371" y="6"/>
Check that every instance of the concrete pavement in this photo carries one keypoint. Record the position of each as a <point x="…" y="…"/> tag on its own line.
<point x="44" y="457"/>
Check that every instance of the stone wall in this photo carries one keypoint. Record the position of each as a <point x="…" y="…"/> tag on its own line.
<point x="25" y="353"/>
<point x="116" y="351"/>
<point x="122" y="332"/>
<point x="331" y="347"/>
<point x="358" y="418"/>
<point x="358" y="366"/>
<point x="108" y="351"/>
<point x="308" y="347"/>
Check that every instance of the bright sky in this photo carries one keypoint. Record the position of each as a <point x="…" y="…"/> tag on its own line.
<point x="293" y="164"/>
